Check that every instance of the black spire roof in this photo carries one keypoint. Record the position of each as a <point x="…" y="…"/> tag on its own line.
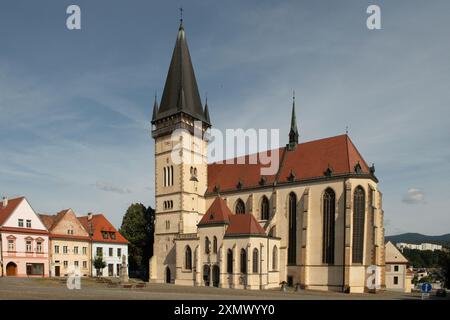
<point x="181" y="91"/>
<point x="293" y="133"/>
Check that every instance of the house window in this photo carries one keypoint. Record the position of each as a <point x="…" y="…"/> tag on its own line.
<point x="118" y="269"/>
<point x="255" y="260"/>
<point x="28" y="246"/>
<point x="84" y="264"/>
<point x="240" y="207"/>
<point x="215" y="244"/>
<point x="65" y="250"/>
<point x="112" y="235"/>
<point x="119" y="252"/>
<point x="188" y="258"/>
<point x="56" y="249"/>
<point x="110" y="270"/>
<point x="99" y="251"/>
<point x="70" y="231"/>
<point x="292" y="246"/>
<point x="76" y="264"/>
<point x="105" y="235"/>
<point x="84" y="250"/>
<point x="66" y="264"/>
<point x="359" y="204"/>
<point x="243" y="261"/>
<point x="35" y="269"/>
<point x="395" y="280"/>
<point x="11" y="245"/>
<point x="274" y="258"/>
<point x="20" y="223"/>
<point x="39" y="246"/>
<point x="75" y="250"/>
<point x="28" y="223"/>
<point x="396" y="268"/>
<point x="230" y="261"/>
<point x="329" y="200"/>
<point x="167" y="224"/>
<point x="265" y="208"/>
<point x="110" y="252"/>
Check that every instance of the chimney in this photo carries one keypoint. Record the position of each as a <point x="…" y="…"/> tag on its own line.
<point x="89" y="217"/>
<point x="5" y="202"/>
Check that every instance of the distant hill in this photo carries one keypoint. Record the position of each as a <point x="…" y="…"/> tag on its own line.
<point x="417" y="238"/>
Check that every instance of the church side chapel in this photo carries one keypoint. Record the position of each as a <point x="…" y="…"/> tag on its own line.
<point x="317" y="223"/>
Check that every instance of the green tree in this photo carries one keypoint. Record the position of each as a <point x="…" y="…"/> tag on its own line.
<point x="445" y="267"/>
<point x="138" y="228"/>
<point x="99" y="264"/>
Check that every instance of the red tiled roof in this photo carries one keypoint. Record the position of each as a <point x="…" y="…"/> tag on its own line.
<point x="99" y="224"/>
<point x="308" y="160"/>
<point x="47" y="220"/>
<point x="218" y="212"/>
<point x="6" y="212"/>
<point x="241" y="224"/>
<point x="244" y="224"/>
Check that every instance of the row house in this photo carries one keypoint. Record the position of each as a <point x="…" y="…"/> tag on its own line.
<point x="70" y="245"/>
<point x="24" y="240"/>
<point x="107" y="243"/>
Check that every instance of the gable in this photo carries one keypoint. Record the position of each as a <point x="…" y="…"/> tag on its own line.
<point x="24" y="211"/>
<point x="68" y="221"/>
<point x="393" y="255"/>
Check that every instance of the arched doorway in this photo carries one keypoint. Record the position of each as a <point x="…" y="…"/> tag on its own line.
<point x="11" y="269"/>
<point x="168" y="278"/>
<point x="206" y="275"/>
<point x="216" y="275"/>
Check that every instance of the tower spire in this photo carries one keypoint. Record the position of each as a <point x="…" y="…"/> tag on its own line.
<point x="293" y="132"/>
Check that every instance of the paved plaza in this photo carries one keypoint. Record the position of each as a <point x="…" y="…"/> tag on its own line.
<point x="20" y="288"/>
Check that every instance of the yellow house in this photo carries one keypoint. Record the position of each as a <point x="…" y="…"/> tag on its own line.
<point x="70" y="245"/>
<point x="398" y="277"/>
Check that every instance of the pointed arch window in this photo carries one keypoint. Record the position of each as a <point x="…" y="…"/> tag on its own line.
<point x="240" y="207"/>
<point x="230" y="261"/>
<point x="264" y="208"/>
<point x="243" y="261"/>
<point x="215" y="244"/>
<point x="207" y="243"/>
<point x="329" y="210"/>
<point x="274" y="258"/>
<point x="255" y="260"/>
<point x="292" y="246"/>
<point x="188" y="258"/>
<point x="359" y="212"/>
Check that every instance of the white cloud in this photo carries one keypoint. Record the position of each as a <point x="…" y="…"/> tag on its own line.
<point x="109" y="187"/>
<point x="414" y="196"/>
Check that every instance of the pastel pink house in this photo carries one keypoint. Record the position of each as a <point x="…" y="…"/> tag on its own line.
<point x="24" y="240"/>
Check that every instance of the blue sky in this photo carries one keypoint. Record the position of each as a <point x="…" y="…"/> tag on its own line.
<point x="75" y="105"/>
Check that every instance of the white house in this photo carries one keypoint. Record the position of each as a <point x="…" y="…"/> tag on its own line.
<point x="108" y="243"/>
<point x="398" y="277"/>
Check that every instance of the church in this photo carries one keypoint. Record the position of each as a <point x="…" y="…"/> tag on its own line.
<point x="317" y="223"/>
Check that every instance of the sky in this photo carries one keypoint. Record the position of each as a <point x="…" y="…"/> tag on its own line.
<point x="75" y="105"/>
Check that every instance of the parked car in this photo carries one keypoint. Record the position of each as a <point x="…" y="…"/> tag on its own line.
<point x="441" y="293"/>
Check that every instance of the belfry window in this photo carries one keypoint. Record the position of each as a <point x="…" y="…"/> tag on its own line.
<point x="329" y="199"/>
<point x="264" y="208"/>
<point x="359" y="212"/>
<point x="240" y="207"/>
<point x="292" y="246"/>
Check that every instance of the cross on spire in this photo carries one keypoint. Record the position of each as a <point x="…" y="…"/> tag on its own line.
<point x="181" y="14"/>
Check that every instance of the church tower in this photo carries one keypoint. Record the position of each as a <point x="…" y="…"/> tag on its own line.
<point x="179" y="125"/>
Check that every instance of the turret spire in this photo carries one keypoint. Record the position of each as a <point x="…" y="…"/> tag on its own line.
<point x="155" y="108"/>
<point x="180" y="93"/>
<point x="293" y="133"/>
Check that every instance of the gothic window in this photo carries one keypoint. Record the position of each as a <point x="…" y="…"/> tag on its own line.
<point x="255" y="260"/>
<point x="188" y="258"/>
<point x="329" y="200"/>
<point x="274" y="258"/>
<point x="240" y="207"/>
<point x="264" y="208"/>
<point x="215" y="244"/>
<point x="243" y="261"/>
<point x="292" y="229"/>
<point x="359" y="208"/>
<point x="207" y="245"/>
<point x="230" y="261"/>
